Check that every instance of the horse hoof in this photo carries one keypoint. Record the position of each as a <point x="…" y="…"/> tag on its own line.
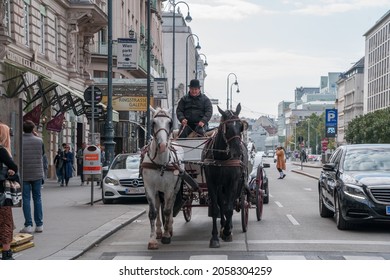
<point x="152" y="246"/>
<point x="166" y="240"/>
<point x="228" y="238"/>
<point x="214" y="244"/>
<point x="159" y="235"/>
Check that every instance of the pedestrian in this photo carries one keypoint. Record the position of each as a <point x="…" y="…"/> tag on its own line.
<point x="194" y="111"/>
<point x="32" y="178"/>
<point x="58" y="162"/>
<point x="79" y="159"/>
<point x="303" y="156"/>
<point x="68" y="159"/>
<point x="8" y="167"/>
<point x="280" y="162"/>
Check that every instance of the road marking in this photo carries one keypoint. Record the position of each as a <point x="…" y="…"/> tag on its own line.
<point x="279" y="204"/>
<point x="286" y="257"/>
<point x="122" y="257"/>
<point x="292" y="220"/>
<point x="307" y="189"/>
<point x="209" y="257"/>
<point x="333" y="242"/>
<point x="362" y="257"/>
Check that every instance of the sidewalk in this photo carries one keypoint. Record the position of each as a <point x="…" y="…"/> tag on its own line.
<point x="71" y="224"/>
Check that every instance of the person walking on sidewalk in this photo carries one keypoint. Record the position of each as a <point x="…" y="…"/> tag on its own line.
<point x="58" y="162"/>
<point x="32" y="178"/>
<point x="80" y="165"/>
<point x="280" y="162"/>
<point x="7" y="167"/>
<point x="68" y="159"/>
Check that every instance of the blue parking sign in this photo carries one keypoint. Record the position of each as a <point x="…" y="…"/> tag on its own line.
<point x="331" y="117"/>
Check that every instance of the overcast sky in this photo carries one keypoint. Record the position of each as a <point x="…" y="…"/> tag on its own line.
<point x="275" y="46"/>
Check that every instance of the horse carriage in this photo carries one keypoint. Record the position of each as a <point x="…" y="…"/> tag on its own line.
<point x="204" y="172"/>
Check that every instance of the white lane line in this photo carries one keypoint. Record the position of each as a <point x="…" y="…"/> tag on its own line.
<point x="279" y="204"/>
<point x="292" y="220"/>
<point x="209" y="257"/>
<point x="332" y="242"/>
<point x="307" y="189"/>
<point x="360" y="257"/>
<point x="286" y="257"/>
<point x="122" y="257"/>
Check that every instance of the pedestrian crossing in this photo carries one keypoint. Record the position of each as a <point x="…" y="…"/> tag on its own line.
<point x="180" y="255"/>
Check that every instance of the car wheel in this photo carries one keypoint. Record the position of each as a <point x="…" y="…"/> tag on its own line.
<point x="341" y="223"/>
<point x="324" y="212"/>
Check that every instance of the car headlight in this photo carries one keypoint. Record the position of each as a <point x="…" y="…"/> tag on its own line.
<point x="354" y="191"/>
<point x="111" y="181"/>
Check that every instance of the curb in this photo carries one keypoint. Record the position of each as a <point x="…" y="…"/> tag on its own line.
<point x="304" y="173"/>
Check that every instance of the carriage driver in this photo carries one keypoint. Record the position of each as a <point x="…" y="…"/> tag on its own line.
<point x="194" y="111"/>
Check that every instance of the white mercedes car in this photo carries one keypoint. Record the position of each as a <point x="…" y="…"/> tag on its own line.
<point x="123" y="179"/>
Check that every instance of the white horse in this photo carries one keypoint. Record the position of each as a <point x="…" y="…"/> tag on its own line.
<point x="161" y="169"/>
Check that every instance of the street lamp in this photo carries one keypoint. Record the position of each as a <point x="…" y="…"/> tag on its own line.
<point x="197" y="48"/>
<point x="227" y="89"/>
<point x="231" y="96"/>
<point x="188" y="18"/>
<point x="196" y="64"/>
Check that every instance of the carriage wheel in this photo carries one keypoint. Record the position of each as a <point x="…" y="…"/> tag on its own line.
<point x="187" y="210"/>
<point x="259" y="193"/>
<point x="244" y="211"/>
<point x="259" y="202"/>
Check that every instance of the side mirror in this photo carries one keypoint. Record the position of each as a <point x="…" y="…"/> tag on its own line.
<point x="329" y="167"/>
<point x="266" y="165"/>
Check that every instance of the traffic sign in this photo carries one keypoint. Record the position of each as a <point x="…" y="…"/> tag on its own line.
<point x="97" y="95"/>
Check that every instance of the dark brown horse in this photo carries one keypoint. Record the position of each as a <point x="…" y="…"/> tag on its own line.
<point x="225" y="162"/>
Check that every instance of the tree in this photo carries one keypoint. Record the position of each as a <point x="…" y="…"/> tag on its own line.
<point x="370" y="128"/>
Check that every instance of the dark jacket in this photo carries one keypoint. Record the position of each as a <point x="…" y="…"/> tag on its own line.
<point x="194" y="109"/>
<point x="6" y="162"/>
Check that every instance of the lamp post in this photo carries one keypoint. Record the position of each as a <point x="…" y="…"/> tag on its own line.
<point x="196" y="64"/>
<point x="227" y="88"/>
<point x="187" y="19"/>
<point x="108" y="126"/>
<point x="231" y="96"/>
<point x="198" y="47"/>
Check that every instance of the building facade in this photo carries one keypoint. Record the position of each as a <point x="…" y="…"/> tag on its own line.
<point x="52" y="50"/>
<point x="377" y="69"/>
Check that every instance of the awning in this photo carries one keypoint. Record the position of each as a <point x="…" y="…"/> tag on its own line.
<point x="66" y="98"/>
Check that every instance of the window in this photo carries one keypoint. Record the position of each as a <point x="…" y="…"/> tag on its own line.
<point x="56" y="39"/>
<point x="7" y="16"/>
<point x="42" y="29"/>
<point x="26" y="22"/>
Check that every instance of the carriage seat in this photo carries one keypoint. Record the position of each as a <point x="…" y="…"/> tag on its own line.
<point x="209" y="133"/>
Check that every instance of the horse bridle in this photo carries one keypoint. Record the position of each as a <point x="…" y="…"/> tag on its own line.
<point x="163" y="115"/>
<point x="222" y="128"/>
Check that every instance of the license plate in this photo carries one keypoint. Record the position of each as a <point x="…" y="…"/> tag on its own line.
<point x="135" y="190"/>
<point x="387" y="210"/>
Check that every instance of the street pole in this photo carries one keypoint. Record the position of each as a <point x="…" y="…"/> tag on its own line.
<point x="188" y="19"/>
<point x="148" y="93"/>
<point x="227" y="89"/>
<point x="109" y="127"/>
<point x="197" y="47"/>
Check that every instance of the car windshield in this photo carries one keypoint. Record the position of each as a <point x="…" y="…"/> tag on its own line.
<point x="126" y="162"/>
<point x="367" y="159"/>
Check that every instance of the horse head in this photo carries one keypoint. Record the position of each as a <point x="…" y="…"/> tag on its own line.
<point x="231" y="128"/>
<point x="161" y="128"/>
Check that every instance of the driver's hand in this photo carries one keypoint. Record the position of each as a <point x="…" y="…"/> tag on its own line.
<point x="201" y="124"/>
<point x="184" y="122"/>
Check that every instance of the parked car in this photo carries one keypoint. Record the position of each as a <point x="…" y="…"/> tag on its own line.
<point x="259" y="176"/>
<point x="122" y="179"/>
<point x="355" y="185"/>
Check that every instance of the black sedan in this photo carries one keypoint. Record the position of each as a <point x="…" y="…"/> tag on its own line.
<point x="355" y="185"/>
